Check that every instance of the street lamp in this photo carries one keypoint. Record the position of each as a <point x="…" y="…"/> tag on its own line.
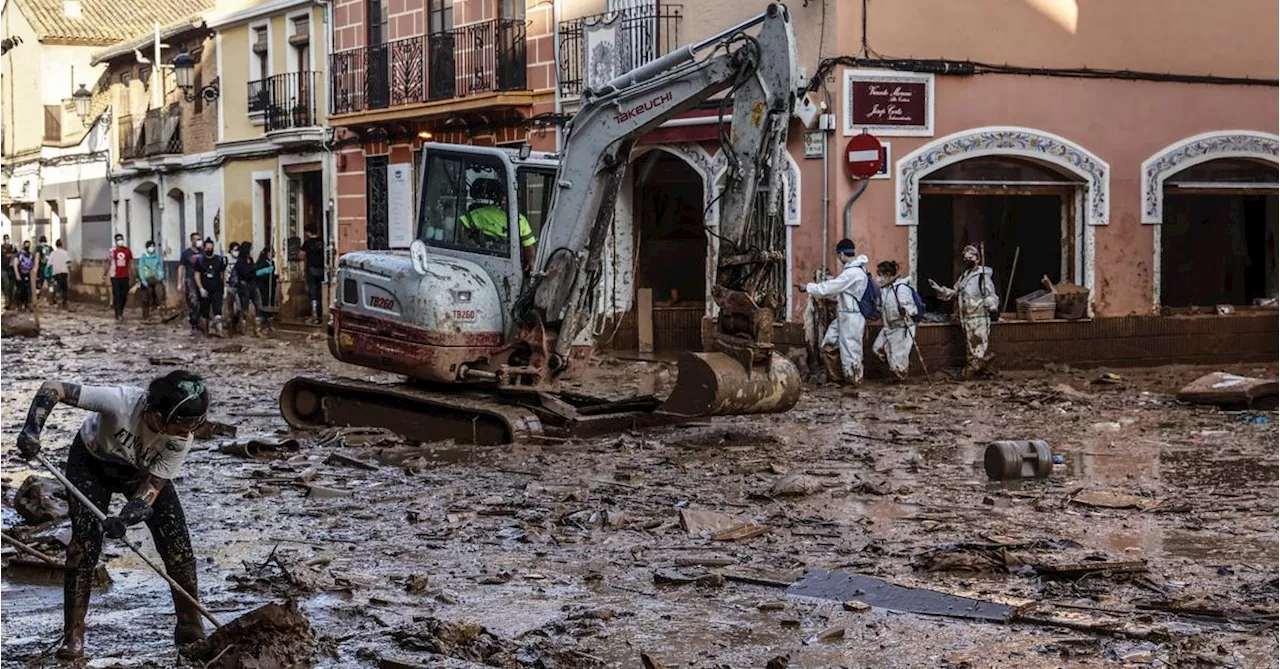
<point x="184" y="67"/>
<point x="84" y="100"/>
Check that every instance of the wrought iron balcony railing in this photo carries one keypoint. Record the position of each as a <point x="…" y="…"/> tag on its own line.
<point x="469" y="60"/>
<point x="162" y="131"/>
<point x="595" y="49"/>
<point x="286" y="101"/>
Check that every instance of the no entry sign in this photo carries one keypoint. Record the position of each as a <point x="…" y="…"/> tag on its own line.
<point x="863" y="155"/>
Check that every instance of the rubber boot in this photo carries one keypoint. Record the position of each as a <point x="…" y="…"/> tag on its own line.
<point x="76" y="588"/>
<point x="831" y="362"/>
<point x="190" y="627"/>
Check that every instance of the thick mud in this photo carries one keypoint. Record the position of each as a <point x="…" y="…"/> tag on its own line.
<point x="573" y="554"/>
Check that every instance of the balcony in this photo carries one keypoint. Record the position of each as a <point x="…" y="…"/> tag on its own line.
<point x="485" y="57"/>
<point x="285" y="101"/>
<point x="130" y="147"/>
<point x="162" y="132"/>
<point x="619" y="41"/>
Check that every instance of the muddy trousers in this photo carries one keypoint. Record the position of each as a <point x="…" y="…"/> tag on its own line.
<point x="98" y="480"/>
<point x="119" y="294"/>
<point x="843" y="341"/>
<point x="893" y="345"/>
<point x="977" y="333"/>
<point x="193" y="302"/>
<point x="315" y="279"/>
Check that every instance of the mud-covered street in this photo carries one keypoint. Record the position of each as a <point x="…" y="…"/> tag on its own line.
<point x="587" y="553"/>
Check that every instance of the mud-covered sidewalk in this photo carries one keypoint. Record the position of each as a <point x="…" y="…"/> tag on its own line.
<point x="1153" y="543"/>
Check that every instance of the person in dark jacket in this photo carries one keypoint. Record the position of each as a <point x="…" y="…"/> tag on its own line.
<point x="246" y="273"/>
<point x="267" y="282"/>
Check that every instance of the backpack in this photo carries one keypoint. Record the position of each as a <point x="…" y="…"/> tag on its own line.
<point x="25" y="262"/>
<point x="869" y="303"/>
<point x="915" y="297"/>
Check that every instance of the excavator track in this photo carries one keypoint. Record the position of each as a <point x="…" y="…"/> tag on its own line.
<point x="425" y="413"/>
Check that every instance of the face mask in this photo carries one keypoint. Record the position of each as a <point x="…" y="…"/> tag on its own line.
<point x="970" y="263"/>
<point x="235" y="254"/>
<point x="120" y="242"/>
<point x="151" y="249"/>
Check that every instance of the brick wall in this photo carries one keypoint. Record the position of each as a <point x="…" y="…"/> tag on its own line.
<point x="348" y="24"/>
<point x="542" y="47"/>
<point x="351" y="201"/>
<point x="200" y="128"/>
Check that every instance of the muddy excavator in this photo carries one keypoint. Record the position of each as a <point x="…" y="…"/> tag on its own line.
<point x="487" y="329"/>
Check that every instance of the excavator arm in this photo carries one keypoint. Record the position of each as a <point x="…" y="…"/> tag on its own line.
<point x="757" y="75"/>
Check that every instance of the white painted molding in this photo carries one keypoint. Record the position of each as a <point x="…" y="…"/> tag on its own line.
<point x="1193" y="151"/>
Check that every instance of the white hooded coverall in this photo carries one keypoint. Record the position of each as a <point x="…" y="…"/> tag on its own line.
<point x="898" y="335"/>
<point x="977" y="300"/>
<point x="846" y="331"/>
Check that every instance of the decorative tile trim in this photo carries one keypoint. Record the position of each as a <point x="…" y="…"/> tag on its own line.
<point x="1003" y="141"/>
<point x="1195" y="150"/>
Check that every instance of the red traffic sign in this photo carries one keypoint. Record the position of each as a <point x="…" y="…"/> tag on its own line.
<point x="863" y="155"/>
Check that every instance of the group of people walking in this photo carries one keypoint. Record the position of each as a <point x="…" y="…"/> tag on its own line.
<point x="28" y="270"/>
<point x="889" y="297"/>
<point x="206" y="277"/>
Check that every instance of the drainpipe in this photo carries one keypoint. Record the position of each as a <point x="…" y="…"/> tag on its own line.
<point x="331" y="169"/>
<point x="555" y="42"/>
<point x="826" y="197"/>
<point x="848" y="208"/>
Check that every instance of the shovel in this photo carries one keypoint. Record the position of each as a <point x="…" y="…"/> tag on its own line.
<point x="75" y="492"/>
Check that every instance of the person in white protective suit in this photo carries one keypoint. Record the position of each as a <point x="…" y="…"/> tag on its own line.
<point x="897" y="311"/>
<point x="843" y="340"/>
<point x="977" y="296"/>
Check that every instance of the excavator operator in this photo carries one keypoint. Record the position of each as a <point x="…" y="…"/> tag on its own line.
<point x="488" y="222"/>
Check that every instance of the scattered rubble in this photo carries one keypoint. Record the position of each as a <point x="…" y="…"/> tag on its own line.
<point x="41" y="499"/>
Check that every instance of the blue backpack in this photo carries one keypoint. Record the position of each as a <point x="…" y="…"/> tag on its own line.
<point x="869" y="303"/>
<point x="915" y="297"/>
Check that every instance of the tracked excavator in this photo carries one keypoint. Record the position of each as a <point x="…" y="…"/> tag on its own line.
<point x="487" y="330"/>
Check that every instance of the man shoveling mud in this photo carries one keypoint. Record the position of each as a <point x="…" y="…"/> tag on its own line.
<point x="133" y="444"/>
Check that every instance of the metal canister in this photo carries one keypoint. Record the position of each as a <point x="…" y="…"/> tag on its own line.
<point x="1005" y="460"/>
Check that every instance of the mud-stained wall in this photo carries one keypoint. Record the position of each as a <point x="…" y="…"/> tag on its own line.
<point x="239" y="192"/>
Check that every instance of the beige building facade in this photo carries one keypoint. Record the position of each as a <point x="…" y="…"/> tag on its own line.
<point x="272" y="131"/>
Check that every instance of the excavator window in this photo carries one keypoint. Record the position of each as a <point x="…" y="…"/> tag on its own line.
<point x="464" y="204"/>
<point x="534" y="191"/>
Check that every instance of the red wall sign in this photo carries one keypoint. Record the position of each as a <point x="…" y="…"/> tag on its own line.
<point x="896" y="103"/>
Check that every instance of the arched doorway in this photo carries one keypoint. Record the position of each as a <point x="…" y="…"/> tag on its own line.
<point x="1069" y="166"/>
<point x="671" y="248"/>
<point x="1016" y="210"/>
<point x="1218" y="234"/>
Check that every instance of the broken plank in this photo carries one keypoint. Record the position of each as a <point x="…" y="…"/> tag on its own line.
<point x="337" y="458"/>
<point x="697" y="523"/>
<point x="1082" y="568"/>
<point x="843" y="586"/>
<point x="741" y="532"/>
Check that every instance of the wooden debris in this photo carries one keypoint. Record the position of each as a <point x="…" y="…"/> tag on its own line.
<point x="1113" y="500"/>
<point x="1223" y="389"/>
<point x="698" y="523"/>
<point x="843" y="586"/>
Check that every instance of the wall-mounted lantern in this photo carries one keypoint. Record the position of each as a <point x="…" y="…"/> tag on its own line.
<point x="84" y="102"/>
<point x="184" y="67"/>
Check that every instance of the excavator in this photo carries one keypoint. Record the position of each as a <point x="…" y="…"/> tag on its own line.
<point x="488" y="324"/>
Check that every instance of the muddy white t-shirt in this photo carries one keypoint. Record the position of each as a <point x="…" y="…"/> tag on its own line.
<point x="116" y="432"/>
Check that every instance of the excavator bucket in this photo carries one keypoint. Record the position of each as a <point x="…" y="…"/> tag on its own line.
<point x="715" y="384"/>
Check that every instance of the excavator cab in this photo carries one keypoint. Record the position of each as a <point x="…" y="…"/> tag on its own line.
<point x="486" y="205"/>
